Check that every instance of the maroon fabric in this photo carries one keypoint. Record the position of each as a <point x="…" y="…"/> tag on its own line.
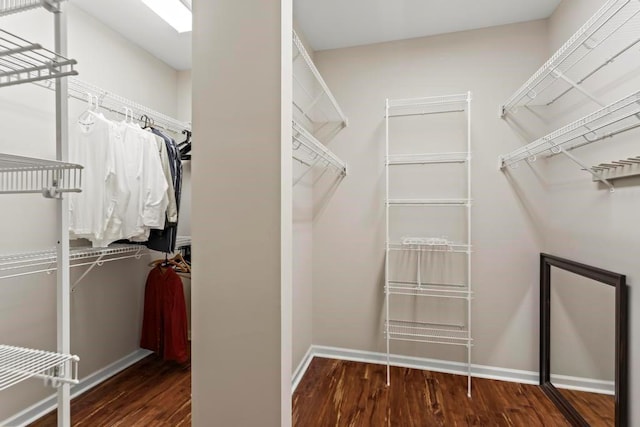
<point x="164" y="325"/>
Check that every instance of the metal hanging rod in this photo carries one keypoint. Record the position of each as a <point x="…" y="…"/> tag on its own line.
<point x="8" y="7"/>
<point x="20" y="175"/>
<point x="110" y="101"/>
<point x="602" y="26"/>
<point x="613" y="119"/>
<point x="24" y="62"/>
<point x="428" y="105"/>
<point x="18" y="364"/>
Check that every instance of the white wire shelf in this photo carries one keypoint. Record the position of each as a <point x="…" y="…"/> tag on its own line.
<point x="183" y="241"/>
<point x="314" y="105"/>
<point x="25" y="263"/>
<point x="404" y="330"/>
<point x="18" y="364"/>
<point x="8" y="7"/>
<point x="611" y="32"/>
<point x="427" y="158"/>
<point x="24" y="62"/>
<point x="618" y="169"/>
<point x="609" y="121"/>
<point x="433" y="290"/>
<point x="29" y="175"/>
<point x="309" y="151"/>
<point x="429" y="202"/>
<point x="84" y="91"/>
<point x="428" y="105"/>
<point x="451" y="247"/>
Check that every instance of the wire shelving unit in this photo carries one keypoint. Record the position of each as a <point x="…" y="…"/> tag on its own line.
<point x="610" y="33"/>
<point x="410" y="330"/>
<point x="311" y="152"/>
<point x="19" y="175"/>
<point x="24" y="62"/>
<point x="18" y="364"/>
<point x="314" y="106"/>
<point x="616" y="118"/>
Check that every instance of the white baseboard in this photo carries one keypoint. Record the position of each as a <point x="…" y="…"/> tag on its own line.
<point x="477" y="371"/>
<point x="45" y="406"/>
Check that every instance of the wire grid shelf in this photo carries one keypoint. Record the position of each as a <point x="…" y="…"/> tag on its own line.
<point x="8" y="7"/>
<point x="451" y="247"/>
<point x="428" y="105"/>
<point x="313" y="102"/>
<point x="316" y="151"/>
<point x="618" y="117"/>
<point x="29" y="175"/>
<point x="614" y="25"/>
<point x="427" y="158"/>
<point x="20" y="264"/>
<point x="433" y="290"/>
<point x="18" y="364"/>
<point x="183" y="241"/>
<point x="429" y="202"/>
<point x="404" y="330"/>
<point x="24" y="62"/>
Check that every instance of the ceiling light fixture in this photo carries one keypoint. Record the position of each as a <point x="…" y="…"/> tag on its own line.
<point x="174" y="12"/>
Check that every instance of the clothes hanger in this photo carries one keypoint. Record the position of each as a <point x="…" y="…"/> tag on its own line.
<point x="166" y="262"/>
<point x="87" y="118"/>
<point x="184" y="266"/>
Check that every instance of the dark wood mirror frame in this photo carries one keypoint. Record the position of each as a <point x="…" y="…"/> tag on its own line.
<point x="618" y="281"/>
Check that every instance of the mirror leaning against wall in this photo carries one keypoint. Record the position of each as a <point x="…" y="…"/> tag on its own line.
<point x="583" y="341"/>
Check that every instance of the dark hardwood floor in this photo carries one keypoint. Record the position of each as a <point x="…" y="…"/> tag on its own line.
<point x="149" y="393"/>
<point x="599" y="410"/>
<point x="351" y="394"/>
<point x="332" y="393"/>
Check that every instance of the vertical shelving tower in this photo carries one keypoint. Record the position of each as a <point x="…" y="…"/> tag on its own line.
<point x="418" y="331"/>
<point x="24" y="62"/>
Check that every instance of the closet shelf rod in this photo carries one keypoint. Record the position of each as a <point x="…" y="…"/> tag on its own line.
<point x="618" y="117"/>
<point x="605" y="23"/>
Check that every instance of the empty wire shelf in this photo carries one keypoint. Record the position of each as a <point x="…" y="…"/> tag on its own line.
<point x="18" y="364"/>
<point x="611" y="32"/>
<point x="429" y="105"/>
<point x="309" y="151"/>
<point x="451" y="247"/>
<point x="404" y="330"/>
<point x="428" y="158"/>
<point x="429" y="202"/>
<point x="24" y="62"/>
<point x="611" y="120"/>
<point x="29" y="175"/>
<point x="314" y="105"/>
<point x="20" y="264"/>
<point x="433" y="290"/>
<point x="8" y="7"/>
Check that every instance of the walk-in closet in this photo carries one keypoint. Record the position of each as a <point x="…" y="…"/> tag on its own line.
<point x="401" y="213"/>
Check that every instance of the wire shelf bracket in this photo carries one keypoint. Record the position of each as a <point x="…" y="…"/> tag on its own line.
<point x="612" y="25"/>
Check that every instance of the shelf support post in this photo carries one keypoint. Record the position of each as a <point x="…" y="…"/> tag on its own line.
<point x="588" y="169"/>
<point x="63" y="298"/>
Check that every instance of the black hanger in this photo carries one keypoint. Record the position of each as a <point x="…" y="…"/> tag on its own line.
<point x="185" y="146"/>
<point x="147" y="121"/>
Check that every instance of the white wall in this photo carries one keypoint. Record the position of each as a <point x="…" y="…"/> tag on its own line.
<point x="587" y="223"/>
<point x="348" y="234"/>
<point x="107" y="306"/>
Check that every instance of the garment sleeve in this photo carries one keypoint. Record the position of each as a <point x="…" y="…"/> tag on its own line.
<point x="155" y="200"/>
<point x="172" y="208"/>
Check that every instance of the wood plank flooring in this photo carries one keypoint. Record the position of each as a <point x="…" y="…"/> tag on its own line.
<point x="599" y="410"/>
<point x="333" y="393"/>
<point x="351" y="394"/>
<point x="149" y="393"/>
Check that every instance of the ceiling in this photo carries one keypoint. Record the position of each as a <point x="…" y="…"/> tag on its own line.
<point x="139" y="24"/>
<point x="331" y="24"/>
<point x="328" y="24"/>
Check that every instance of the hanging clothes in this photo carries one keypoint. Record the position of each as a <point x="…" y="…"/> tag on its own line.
<point x="164" y="324"/>
<point x="165" y="240"/>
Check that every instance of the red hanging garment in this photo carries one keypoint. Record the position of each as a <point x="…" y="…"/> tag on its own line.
<point x="164" y="325"/>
